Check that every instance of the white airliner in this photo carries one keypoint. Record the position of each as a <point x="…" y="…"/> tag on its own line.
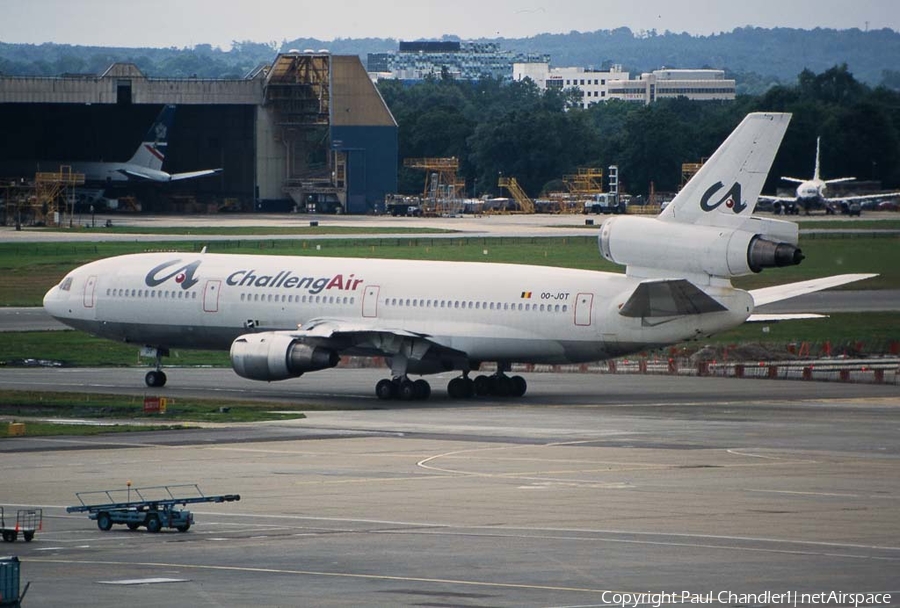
<point x="283" y="316"/>
<point x="810" y="194"/>
<point x="147" y="161"/>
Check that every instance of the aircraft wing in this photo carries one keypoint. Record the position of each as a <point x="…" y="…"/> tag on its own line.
<point x="767" y="295"/>
<point x="772" y="199"/>
<point x="192" y="174"/>
<point x="666" y="298"/>
<point x="862" y="197"/>
<point x="371" y="338"/>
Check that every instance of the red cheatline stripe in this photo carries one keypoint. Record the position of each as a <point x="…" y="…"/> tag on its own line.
<point x="155" y="152"/>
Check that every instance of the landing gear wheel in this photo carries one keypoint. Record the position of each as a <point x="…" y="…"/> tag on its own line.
<point x="519" y="386"/>
<point x="155" y="379"/>
<point x="386" y="389"/>
<point x="407" y="391"/>
<point x="104" y="521"/>
<point x="482" y="386"/>
<point x="422" y="389"/>
<point x="501" y="386"/>
<point x="461" y="388"/>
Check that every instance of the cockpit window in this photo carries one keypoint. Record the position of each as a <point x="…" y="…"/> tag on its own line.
<point x="66" y="285"/>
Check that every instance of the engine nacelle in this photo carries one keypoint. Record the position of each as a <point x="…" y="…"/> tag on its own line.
<point x="271" y="356"/>
<point x="690" y="248"/>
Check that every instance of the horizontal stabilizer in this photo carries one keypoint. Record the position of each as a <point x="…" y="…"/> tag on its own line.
<point x="767" y="295"/>
<point x="788" y="316"/>
<point x="130" y="173"/>
<point x="668" y="298"/>
<point x="192" y="174"/>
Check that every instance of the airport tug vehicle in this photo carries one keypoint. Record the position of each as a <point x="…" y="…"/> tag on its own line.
<point x="155" y="508"/>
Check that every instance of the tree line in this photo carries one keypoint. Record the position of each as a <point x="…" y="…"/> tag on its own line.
<point x="515" y="129"/>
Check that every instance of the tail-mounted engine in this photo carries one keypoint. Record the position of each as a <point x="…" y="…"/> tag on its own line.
<point x="645" y="243"/>
<point x="271" y="356"/>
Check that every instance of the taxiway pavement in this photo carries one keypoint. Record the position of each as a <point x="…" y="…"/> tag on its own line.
<point x="591" y="486"/>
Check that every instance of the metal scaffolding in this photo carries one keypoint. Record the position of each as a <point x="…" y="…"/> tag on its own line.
<point x="526" y="205"/>
<point x="582" y="186"/>
<point x="298" y="90"/>
<point x="443" y="192"/>
<point x="54" y="196"/>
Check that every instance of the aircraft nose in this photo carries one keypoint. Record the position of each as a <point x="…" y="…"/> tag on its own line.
<point x="54" y="303"/>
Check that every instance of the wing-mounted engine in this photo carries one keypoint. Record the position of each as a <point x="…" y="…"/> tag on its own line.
<point x="650" y="247"/>
<point x="277" y="356"/>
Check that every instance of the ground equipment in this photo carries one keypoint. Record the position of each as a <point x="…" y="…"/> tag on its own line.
<point x="155" y="508"/>
<point x="28" y="521"/>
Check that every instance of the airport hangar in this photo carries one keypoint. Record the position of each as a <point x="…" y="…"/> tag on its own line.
<point x="309" y="128"/>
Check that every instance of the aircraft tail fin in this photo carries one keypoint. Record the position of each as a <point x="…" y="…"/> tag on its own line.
<point x="152" y="151"/>
<point x="725" y="190"/>
<point x="818" y="146"/>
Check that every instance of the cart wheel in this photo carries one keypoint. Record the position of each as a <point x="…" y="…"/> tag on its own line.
<point x="153" y="524"/>
<point x="184" y="528"/>
<point x="104" y="521"/>
<point x="132" y="525"/>
<point x="9" y="535"/>
<point x="28" y="536"/>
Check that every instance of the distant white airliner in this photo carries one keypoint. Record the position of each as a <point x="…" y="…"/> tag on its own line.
<point x="147" y="161"/>
<point x="810" y="195"/>
<point x="284" y="316"/>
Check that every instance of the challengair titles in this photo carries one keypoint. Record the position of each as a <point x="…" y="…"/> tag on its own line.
<point x="288" y="280"/>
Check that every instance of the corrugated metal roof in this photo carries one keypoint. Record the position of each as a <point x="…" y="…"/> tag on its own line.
<point x="355" y="99"/>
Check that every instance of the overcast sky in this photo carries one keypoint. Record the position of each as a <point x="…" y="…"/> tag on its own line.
<point x="164" y="23"/>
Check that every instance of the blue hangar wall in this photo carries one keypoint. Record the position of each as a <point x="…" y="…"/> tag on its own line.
<point x="371" y="154"/>
<point x="364" y="129"/>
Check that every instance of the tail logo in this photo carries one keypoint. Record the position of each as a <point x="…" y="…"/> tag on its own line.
<point x="731" y="199"/>
<point x="160" y="131"/>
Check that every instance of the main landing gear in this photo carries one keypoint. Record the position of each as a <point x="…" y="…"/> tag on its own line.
<point x="462" y="387"/>
<point x="403" y="388"/>
<point x="495" y="385"/>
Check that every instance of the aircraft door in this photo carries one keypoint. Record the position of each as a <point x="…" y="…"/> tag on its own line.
<point x="370" y="301"/>
<point x="89" y="288"/>
<point x="211" y="296"/>
<point x="584" y="304"/>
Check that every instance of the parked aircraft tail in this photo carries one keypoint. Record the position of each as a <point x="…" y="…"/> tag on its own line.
<point x="816" y="178"/>
<point x="152" y="151"/>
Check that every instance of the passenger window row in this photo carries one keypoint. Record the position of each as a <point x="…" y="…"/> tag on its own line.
<point x="297" y="299"/>
<point x="471" y="305"/>
<point x="158" y="294"/>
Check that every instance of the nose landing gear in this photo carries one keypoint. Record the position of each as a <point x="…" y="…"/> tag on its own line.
<point x="155" y="378"/>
